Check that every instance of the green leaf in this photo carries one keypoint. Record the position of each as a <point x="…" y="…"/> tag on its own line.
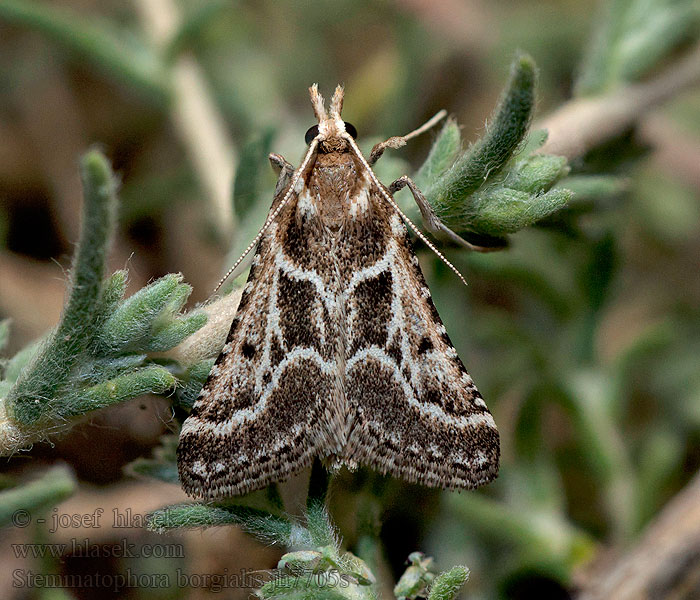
<point x="115" y="54"/>
<point x="191" y="383"/>
<point x="630" y="38"/>
<point x="163" y="465"/>
<point x="20" y="360"/>
<point x="259" y="522"/>
<point x="442" y="155"/>
<point x="166" y="472"/>
<point x="306" y="588"/>
<point x="448" y="584"/>
<point x="102" y="369"/>
<point x="499" y="210"/>
<point x="193" y="25"/>
<point x="417" y="577"/>
<point x="111" y="295"/>
<point x="318" y="521"/>
<point x="486" y="158"/>
<point x="97" y="355"/>
<point x="321" y="573"/>
<point x="4" y="333"/>
<point x="130" y="324"/>
<point x="537" y="173"/>
<point x="174" y="332"/>
<point x="534" y="140"/>
<point x="37" y="388"/>
<point x="253" y="167"/>
<point x="594" y="187"/>
<point x="600" y="270"/>
<point x="29" y="500"/>
<point x="149" y="380"/>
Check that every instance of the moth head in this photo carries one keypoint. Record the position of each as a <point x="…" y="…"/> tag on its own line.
<point x="331" y="130"/>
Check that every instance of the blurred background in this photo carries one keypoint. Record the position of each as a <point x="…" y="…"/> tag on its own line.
<point x="583" y="336"/>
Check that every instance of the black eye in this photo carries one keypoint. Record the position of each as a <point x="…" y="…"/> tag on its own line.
<point x="350" y="128"/>
<point x="311" y="134"/>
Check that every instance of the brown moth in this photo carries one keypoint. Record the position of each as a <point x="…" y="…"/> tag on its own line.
<point x="337" y="350"/>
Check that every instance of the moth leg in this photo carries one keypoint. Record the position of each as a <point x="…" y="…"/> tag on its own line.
<point x="283" y="169"/>
<point x="400" y="140"/>
<point x="430" y="220"/>
<point x="378" y="150"/>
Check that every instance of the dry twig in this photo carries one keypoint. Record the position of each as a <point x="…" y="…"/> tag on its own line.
<point x="583" y="123"/>
<point x="197" y="120"/>
<point x="664" y="565"/>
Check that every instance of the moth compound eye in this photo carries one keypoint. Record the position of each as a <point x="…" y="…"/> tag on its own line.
<point x="350" y="128"/>
<point x="311" y="134"/>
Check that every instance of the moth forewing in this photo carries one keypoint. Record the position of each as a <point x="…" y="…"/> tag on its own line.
<point x="336" y="350"/>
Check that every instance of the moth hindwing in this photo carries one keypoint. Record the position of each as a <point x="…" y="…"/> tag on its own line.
<point x="336" y="350"/>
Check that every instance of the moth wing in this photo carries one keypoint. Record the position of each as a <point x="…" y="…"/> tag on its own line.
<point x="414" y="411"/>
<point x="264" y="410"/>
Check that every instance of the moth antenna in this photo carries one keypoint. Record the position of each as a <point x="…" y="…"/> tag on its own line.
<point x="337" y="102"/>
<point x="273" y="215"/>
<point x="427" y="125"/>
<point x="392" y="202"/>
<point x="318" y="103"/>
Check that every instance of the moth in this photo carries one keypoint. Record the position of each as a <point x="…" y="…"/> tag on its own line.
<point x="336" y="350"/>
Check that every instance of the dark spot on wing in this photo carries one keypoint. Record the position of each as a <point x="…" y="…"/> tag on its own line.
<point x="372" y="304"/>
<point x="248" y="350"/>
<point x="232" y="329"/>
<point x="277" y="353"/>
<point x="425" y="345"/>
<point x="394" y="350"/>
<point x="295" y="240"/>
<point x="295" y="301"/>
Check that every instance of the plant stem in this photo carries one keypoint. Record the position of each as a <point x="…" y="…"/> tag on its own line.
<point x="36" y="389"/>
<point x="197" y="120"/>
<point x="584" y="123"/>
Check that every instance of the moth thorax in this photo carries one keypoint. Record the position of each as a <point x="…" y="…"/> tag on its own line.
<point x="333" y="144"/>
